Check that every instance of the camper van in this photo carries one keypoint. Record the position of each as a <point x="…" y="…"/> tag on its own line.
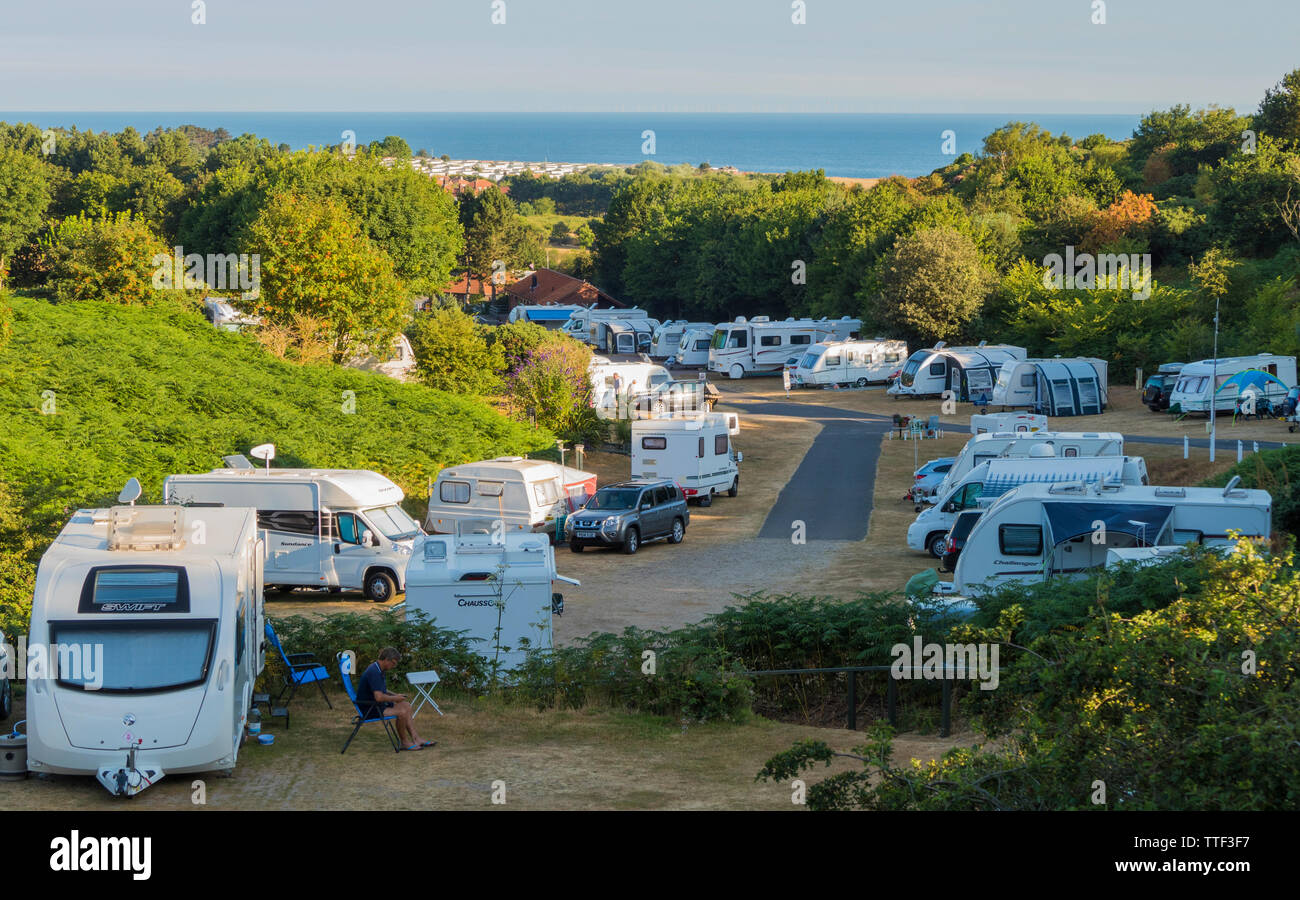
<point x="1065" y="445"/>
<point x="1054" y="387"/>
<point x="552" y="315"/>
<point x="667" y="337"/>
<point x="1042" y="531"/>
<point x="761" y="345"/>
<point x="612" y="330"/>
<point x="1192" y="391"/>
<point x="693" y="450"/>
<point x="997" y="476"/>
<point x="325" y="528"/>
<point x="494" y="589"/>
<point x="154" y="616"/>
<point x="526" y="495"/>
<point x="1007" y="421"/>
<point x="969" y="372"/>
<point x="399" y="365"/>
<point x="220" y="312"/>
<point x="849" y="362"/>
<point x="693" y="348"/>
<point x="635" y="377"/>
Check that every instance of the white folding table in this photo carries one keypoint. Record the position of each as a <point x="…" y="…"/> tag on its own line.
<point x="424" y="682"/>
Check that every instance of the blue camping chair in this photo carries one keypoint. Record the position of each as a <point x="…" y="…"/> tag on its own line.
<point x="300" y="669"/>
<point x="360" y="718"/>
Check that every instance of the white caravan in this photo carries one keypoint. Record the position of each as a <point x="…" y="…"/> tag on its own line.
<point x="1042" y="531"/>
<point x="152" y="619"/>
<point x="849" y="362"/>
<point x="494" y="589"/>
<point x="1192" y="391"/>
<point x="761" y="345"/>
<point x="325" y="528"/>
<point x="400" y="364"/>
<point x="1007" y="421"/>
<point x="1065" y="444"/>
<point x="667" y="337"/>
<point x="612" y="330"/>
<point x="693" y="348"/>
<point x="552" y="315"/>
<point x="523" y="494"/>
<point x="220" y="312"/>
<point x="997" y="476"/>
<point x="611" y="401"/>
<point x="968" y="372"/>
<point x="693" y="450"/>
<point x="1056" y="387"/>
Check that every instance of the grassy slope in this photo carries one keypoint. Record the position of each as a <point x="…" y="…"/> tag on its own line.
<point x="149" y="392"/>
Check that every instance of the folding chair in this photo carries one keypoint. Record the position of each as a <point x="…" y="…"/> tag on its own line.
<point x="300" y="669"/>
<point x="360" y="719"/>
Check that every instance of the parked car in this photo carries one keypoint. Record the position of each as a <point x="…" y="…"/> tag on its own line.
<point x="957" y="537"/>
<point x="628" y="514"/>
<point x="928" y="478"/>
<point x="1156" y="391"/>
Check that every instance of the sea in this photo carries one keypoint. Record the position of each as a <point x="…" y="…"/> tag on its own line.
<point x="849" y="145"/>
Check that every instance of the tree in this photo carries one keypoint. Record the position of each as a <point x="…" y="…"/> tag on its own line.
<point x="1129" y="216"/>
<point x="314" y="261"/>
<point x="1249" y="191"/>
<point x="586" y="237"/>
<point x="452" y="353"/>
<point x="1279" y="111"/>
<point x="550" y="382"/>
<point x="560" y="233"/>
<point x="114" y="259"/>
<point x="24" y="197"/>
<point x="391" y="146"/>
<point x="931" y="284"/>
<point x="494" y="231"/>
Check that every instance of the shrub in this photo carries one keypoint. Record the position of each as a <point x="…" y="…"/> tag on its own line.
<point x="452" y="353"/>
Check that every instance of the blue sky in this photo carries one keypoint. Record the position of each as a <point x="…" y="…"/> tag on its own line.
<point x="643" y="55"/>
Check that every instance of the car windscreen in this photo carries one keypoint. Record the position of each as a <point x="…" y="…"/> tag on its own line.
<point x="393" y="521"/>
<point x="134" y="657"/>
<point x="614" y="498"/>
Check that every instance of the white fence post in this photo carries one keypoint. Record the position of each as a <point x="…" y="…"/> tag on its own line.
<point x="1184" y="446"/>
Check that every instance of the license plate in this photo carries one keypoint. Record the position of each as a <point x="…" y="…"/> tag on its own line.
<point x="585" y="534"/>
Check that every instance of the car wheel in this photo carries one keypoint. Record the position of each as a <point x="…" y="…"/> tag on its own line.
<point x="937" y="544"/>
<point x="735" y="487"/>
<point x="575" y="547"/>
<point x="861" y="382"/>
<point x="631" y="541"/>
<point x="737" y="371"/>
<point x="380" y="587"/>
<point x="707" y="499"/>
<point x="678" y="532"/>
<point x="6" y="700"/>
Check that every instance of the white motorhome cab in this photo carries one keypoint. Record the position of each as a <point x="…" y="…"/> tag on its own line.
<point x="693" y="348"/>
<point x="693" y="450"/>
<point x="667" y="337"/>
<point x="1056" y="387"/>
<point x="997" y="476"/>
<point x="1065" y="445"/>
<point x="524" y="494"/>
<point x="496" y="589"/>
<point x="969" y="372"/>
<point x="1042" y="531"/>
<point x="761" y="345"/>
<point x="849" y="362"/>
<point x="325" y="528"/>
<point x="154" y="614"/>
<point x="636" y="378"/>
<point x="1007" y="421"/>
<point x="1192" y="391"/>
<point x="400" y="365"/>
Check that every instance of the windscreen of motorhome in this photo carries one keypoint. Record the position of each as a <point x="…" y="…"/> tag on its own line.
<point x="135" y="589"/>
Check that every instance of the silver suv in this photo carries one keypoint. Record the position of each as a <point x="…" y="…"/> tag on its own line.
<point x="628" y="514"/>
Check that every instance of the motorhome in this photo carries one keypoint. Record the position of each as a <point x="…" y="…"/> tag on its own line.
<point x="849" y="362"/>
<point x="997" y="476"/>
<point x="1054" y="387"/>
<point x="325" y="528"/>
<point x="220" y="312"/>
<point x="1001" y="445"/>
<point x="398" y="365"/>
<point x="1042" y="531"/>
<point x="615" y="386"/>
<point x="496" y="590"/>
<point x="612" y="330"/>
<point x="1192" y="391"/>
<point x="548" y="315"/>
<point x="528" y="495"/>
<point x="968" y="372"/>
<point x="693" y="348"/>
<point x="1007" y="421"/>
<point x="762" y="345"/>
<point x="667" y="337"/>
<point x="152" y="619"/>
<point x="693" y="450"/>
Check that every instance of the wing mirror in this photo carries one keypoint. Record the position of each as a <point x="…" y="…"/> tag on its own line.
<point x="368" y="539"/>
<point x="740" y="457"/>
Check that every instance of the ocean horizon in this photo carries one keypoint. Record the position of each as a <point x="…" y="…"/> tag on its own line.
<point x="851" y="145"/>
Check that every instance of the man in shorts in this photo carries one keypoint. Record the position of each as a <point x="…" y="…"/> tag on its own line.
<point x="375" y="701"/>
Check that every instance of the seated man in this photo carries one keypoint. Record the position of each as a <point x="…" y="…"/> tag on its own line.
<point x="375" y="701"/>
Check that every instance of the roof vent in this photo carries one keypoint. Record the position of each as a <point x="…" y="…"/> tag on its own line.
<point x="940" y="345"/>
<point x="145" y="528"/>
<point x="982" y="344"/>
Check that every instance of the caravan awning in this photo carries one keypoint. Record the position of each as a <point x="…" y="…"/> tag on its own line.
<point x="548" y="315"/>
<point x="1070" y="519"/>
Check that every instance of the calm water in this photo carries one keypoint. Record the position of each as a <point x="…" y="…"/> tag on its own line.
<point x="862" y="146"/>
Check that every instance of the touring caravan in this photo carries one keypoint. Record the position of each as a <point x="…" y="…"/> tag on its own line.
<point x="524" y="494"/>
<point x="612" y="330"/>
<point x="223" y="315"/>
<point x="612" y="401"/>
<point x="1007" y="421"/>
<point x="1192" y="391"/>
<point x="693" y="348"/>
<point x="667" y="337"/>
<point x="325" y="528"/>
<point x="400" y="365"/>
<point x="1054" y="387"/>
<point x="1042" y="531"/>
<point x="761" y="345"/>
<point x="849" y="362"/>
<point x="552" y="315"/>
<point x="997" y="476"/>
<point x="494" y="589"/>
<point x="693" y="450"/>
<point x="151" y="622"/>
<point x="969" y="372"/>
<point x="1065" y="445"/>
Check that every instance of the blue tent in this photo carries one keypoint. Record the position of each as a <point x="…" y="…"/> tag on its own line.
<point x="1251" y="378"/>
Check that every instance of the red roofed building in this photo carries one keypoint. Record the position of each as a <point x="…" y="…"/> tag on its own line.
<point x="548" y="287"/>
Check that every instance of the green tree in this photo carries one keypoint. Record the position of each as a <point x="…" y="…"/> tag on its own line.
<point x="494" y="231"/>
<point x="391" y="146"/>
<point x="115" y="259"/>
<point x="560" y="233"/>
<point x="453" y="353"/>
<point x="24" y="197"/>
<point x="1279" y="112"/>
<point x="931" y="285"/>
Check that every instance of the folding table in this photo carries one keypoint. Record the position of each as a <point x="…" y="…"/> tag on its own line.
<point x="424" y="682"/>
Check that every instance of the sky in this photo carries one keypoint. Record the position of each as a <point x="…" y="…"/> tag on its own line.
<point x="920" y="56"/>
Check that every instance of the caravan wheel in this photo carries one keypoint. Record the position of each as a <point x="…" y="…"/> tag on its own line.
<point x="861" y="382"/>
<point x="380" y="587"/>
<point x="937" y="544"/>
<point x="737" y="372"/>
<point x="735" y="487"/>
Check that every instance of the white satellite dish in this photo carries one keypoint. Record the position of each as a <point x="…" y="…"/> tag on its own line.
<point x="264" y="452"/>
<point x="130" y="493"/>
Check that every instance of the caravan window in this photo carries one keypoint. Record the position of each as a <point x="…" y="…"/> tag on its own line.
<point x="1027" y="381"/>
<point x="1187" y="537"/>
<point x="702" y="344"/>
<point x="454" y="492"/>
<point x="938" y="368"/>
<point x="1070" y="451"/>
<point x="287" y="520"/>
<point x="701" y="453"/>
<point x="349" y="528"/>
<point x="138" y="657"/>
<point x="800" y="339"/>
<point x="1020" y="540"/>
<point x="241" y="625"/>
<point x="491" y="488"/>
<point x="654" y="443"/>
<point x="770" y="340"/>
<point x="720" y="444"/>
<point x="547" y="492"/>
<point x="832" y="360"/>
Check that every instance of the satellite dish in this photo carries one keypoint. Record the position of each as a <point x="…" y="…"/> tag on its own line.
<point x="131" y="492"/>
<point x="264" y="452"/>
